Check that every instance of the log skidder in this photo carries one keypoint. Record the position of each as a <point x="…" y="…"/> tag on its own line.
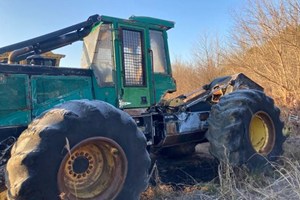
<point x="79" y="150"/>
<point x="91" y="150"/>
<point x="245" y="129"/>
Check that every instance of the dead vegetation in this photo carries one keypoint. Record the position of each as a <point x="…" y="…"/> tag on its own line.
<point x="265" y="45"/>
<point x="278" y="181"/>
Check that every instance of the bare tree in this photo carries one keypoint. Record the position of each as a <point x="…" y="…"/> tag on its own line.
<point x="186" y="77"/>
<point x="206" y="65"/>
<point x="267" y="46"/>
<point x="208" y="58"/>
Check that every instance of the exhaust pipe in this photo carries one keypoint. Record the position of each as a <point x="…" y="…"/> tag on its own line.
<point x="13" y="56"/>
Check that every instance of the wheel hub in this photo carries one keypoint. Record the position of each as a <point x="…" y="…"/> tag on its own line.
<point x="262" y="133"/>
<point x="94" y="169"/>
<point x="81" y="164"/>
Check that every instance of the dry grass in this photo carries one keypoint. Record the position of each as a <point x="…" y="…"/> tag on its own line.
<point x="280" y="181"/>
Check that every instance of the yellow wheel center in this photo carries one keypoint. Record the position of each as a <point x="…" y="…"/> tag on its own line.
<point x="262" y="133"/>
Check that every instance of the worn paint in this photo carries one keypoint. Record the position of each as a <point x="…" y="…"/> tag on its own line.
<point x="27" y="91"/>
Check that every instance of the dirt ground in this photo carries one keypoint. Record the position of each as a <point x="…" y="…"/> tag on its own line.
<point x="181" y="173"/>
<point x="188" y="170"/>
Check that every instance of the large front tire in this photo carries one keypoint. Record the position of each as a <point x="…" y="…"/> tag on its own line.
<point x="79" y="150"/>
<point x="245" y="129"/>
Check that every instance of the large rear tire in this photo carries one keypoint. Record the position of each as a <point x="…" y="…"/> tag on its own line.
<point x="79" y="150"/>
<point x="245" y="129"/>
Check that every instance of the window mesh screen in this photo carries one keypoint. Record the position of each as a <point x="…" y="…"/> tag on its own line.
<point x="133" y="58"/>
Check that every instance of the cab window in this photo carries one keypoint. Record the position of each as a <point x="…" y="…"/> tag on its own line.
<point x="98" y="54"/>
<point x="133" y="58"/>
<point x="158" y="49"/>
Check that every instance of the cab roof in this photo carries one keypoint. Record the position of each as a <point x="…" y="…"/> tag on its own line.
<point x="142" y="21"/>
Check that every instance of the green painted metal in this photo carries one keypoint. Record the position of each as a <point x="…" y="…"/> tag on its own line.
<point x="105" y="93"/>
<point x="135" y="97"/>
<point x="163" y="83"/>
<point x="48" y="91"/>
<point x="14" y="100"/>
<point x="23" y="97"/>
<point x="164" y="24"/>
<point x="149" y="94"/>
<point x="131" y="96"/>
<point x="140" y="21"/>
<point x="152" y="91"/>
<point x="14" y="91"/>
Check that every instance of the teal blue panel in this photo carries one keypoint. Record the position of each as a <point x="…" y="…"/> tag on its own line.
<point x="14" y="100"/>
<point x="48" y="91"/>
<point x="105" y="93"/>
<point x="163" y="83"/>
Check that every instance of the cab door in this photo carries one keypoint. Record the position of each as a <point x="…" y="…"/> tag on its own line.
<point x="135" y="91"/>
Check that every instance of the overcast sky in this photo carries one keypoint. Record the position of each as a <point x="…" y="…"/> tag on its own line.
<point x="22" y="19"/>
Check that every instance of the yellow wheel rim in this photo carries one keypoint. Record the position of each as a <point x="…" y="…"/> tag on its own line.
<point x="94" y="169"/>
<point x="262" y="133"/>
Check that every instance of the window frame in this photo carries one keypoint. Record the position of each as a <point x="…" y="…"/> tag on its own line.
<point x="143" y="59"/>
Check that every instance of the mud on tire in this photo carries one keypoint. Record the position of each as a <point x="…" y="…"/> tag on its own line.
<point x="245" y="129"/>
<point x="37" y="155"/>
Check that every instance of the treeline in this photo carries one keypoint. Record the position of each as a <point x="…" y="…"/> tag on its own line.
<point x="264" y="44"/>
